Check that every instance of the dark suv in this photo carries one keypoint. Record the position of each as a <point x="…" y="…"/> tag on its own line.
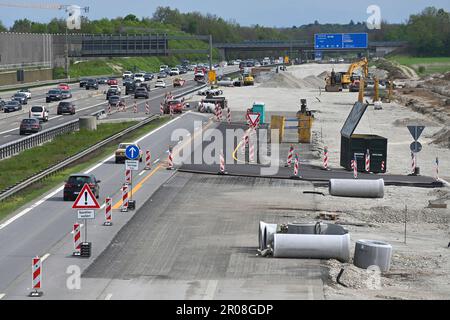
<point x="53" y="95"/>
<point x="141" y="92"/>
<point x="30" y="125"/>
<point x="66" y="107"/>
<point x="76" y="182"/>
<point x="83" y="82"/>
<point x="112" y="92"/>
<point x="91" y="84"/>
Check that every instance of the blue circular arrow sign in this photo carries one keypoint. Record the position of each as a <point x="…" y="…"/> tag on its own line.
<point x="132" y="152"/>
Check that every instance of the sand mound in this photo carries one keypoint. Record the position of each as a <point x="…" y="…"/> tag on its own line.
<point x="287" y="80"/>
<point x="442" y="137"/>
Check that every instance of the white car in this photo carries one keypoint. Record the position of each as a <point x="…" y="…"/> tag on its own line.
<point x="25" y="92"/>
<point x="127" y="74"/>
<point x="163" y="68"/>
<point x="115" y="86"/>
<point x="39" y="112"/>
<point x="174" y="72"/>
<point x="160" y="84"/>
<point x="139" y="77"/>
<point x="341" y="60"/>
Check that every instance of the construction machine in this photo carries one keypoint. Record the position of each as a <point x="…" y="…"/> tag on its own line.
<point x="337" y="81"/>
<point x="333" y="82"/>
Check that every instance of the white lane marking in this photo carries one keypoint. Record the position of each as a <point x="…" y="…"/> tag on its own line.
<point x="59" y="189"/>
<point x="141" y="173"/>
<point x="45" y="257"/>
<point x="108" y="296"/>
<point x="210" y="289"/>
<point x="2" y="295"/>
<point x="8" y="135"/>
<point x="156" y="161"/>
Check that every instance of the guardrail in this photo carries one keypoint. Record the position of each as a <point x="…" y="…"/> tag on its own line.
<point x="64" y="163"/>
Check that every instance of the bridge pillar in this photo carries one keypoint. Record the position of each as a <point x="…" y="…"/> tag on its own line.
<point x="222" y="54"/>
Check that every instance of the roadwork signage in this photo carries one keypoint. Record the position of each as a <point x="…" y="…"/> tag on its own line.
<point x="132" y="165"/>
<point x="416" y="131"/>
<point x="132" y="152"/>
<point x="86" y="199"/>
<point x="253" y="118"/>
<point x="86" y="214"/>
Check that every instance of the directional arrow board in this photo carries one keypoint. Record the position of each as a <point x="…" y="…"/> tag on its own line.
<point x="416" y="131"/>
<point x="132" y="152"/>
<point x="86" y="199"/>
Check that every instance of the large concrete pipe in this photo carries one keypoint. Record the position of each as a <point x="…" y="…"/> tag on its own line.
<point x="357" y="188"/>
<point x="312" y="246"/>
<point x="372" y="253"/>
<point x="266" y="232"/>
<point x="316" y="228"/>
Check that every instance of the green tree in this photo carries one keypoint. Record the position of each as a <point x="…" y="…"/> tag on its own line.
<point x="2" y="27"/>
<point x="21" y="25"/>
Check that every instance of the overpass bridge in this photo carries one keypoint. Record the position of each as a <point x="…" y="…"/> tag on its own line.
<point x="301" y="48"/>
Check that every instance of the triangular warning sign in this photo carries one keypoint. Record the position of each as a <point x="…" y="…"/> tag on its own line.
<point x="86" y="199"/>
<point x="254" y="119"/>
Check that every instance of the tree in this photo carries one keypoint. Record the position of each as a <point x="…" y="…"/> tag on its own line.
<point x="21" y="25"/>
<point x="2" y="27"/>
<point x="131" y="17"/>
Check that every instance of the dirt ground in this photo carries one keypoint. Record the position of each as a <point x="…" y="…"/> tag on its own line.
<point x="420" y="268"/>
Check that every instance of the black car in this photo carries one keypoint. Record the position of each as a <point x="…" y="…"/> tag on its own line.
<point x="112" y="92"/>
<point x="102" y="80"/>
<point x="162" y="74"/>
<point x="183" y="70"/>
<point x="83" y="82"/>
<point x="66" y="94"/>
<point x="12" y="106"/>
<point x="21" y="97"/>
<point x="65" y="107"/>
<point x="141" y="92"/>
<point x="91" y="84"/>
<point x="116" y="100"/>
<point x="53" y="95"/>
<point x="129" y="87"/>
<point x="76" y="182"/>
<point x="148" y="76"/>
<point x="30" y="125"/>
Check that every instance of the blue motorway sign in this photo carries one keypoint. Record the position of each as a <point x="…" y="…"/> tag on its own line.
<point x="132" y="152"/>
<point x="341" y="41"/>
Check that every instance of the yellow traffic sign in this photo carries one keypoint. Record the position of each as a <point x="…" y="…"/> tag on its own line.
<point x="212" y="76"/>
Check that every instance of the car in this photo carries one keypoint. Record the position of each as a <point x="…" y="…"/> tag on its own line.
<point x="127" y="81"/>
<point x="139" y="76"/>
<point x="29" y="125"/>
<point x="65" y="107"/>
<point x="75" y="183"/>
<point x="112" y="81"/>
<point x="116" y="101"/>
<point x="199" y="77"/>
<point x="178" y="82"/>
<point x="127" y="74"/>
<point x="26" y="92"/>
<point x="160" y="84"/>
<point x="341" y="60"/>
<point x="120" y="152"/>
<point x="12" y="106"/>
<point x="163" y="68"/>
<point x="175" y="104"/>
<point x="129" y="87"/>
<point x="2" y="104"/>
<point x="112" y="92"/>
<point x="102" y="80"/>
<point x="148" y="76"/>
<point x="21" y="97"/>
<point x="162" y="74"/>
<point x="63" y="86"/>
<point x="141" y="92"/>
<point x="66" y="94"/>
<point x="39" y="112"/>
<point x="115" y="86"/>
<point x="83" y="82"/>
<point x="91" y="84"/>
<point x="53" y="95"/>
<point x="183" y="70"/>
<point x="225" y="82"/>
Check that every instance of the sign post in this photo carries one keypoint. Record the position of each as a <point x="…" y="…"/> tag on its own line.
<point x="132" y="152"/>
<point x="416" y="146"/>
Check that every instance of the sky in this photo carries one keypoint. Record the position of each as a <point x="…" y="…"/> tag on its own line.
<point x="270" y="13"/>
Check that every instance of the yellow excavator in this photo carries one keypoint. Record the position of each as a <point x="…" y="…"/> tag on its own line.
<point x="340" y="80"/>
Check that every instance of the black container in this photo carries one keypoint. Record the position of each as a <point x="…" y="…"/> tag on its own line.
<point x="358" y="144"/>
<point x="85" y="249"/>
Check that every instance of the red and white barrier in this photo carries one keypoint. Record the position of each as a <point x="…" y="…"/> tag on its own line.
<point x="36" y="276"/>
<point x="147" y="108"/>
<point x="109" y="109"/>
<point x="222" y="163"/>
<point x="170" y="161"/>
<point x="413" y="162"/>
<point x="108" y="212"/>
<point x="135" y="108"/>
<point x="220" y="113"/>
<point x="437" y="168"/>
<point x="228" y="115"/>
<point x="148" y="160"/>
<point x="161" y="108"/>
<point x="124" y="207"/>
<point x="171" y="111"/>
<point x="127" y="176"/>
<point x="367" y="161"/>
<point x="290" y="155"/>
<point x="354" y="165"/>
<point x="382" y="166"/>
<point x="76" y="239"/>
<point x="124" y="107"/>
<point x="296" y="166"/>
<point x="325" y="158"/>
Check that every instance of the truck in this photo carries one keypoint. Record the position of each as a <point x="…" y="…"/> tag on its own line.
<point x="178" y="82"/>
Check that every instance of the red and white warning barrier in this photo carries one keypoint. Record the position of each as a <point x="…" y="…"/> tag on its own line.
<point x="290" y="155"/>
<point x="109" y="109"/>
<point x="354" y="165"/>
<point x="367" y="161"/>
<point x="36" y="275"/>
<point x="108" y="212"/>
<point x="76" y="238"/>
<point x="437" y="168"/>
<point x="413" y="162"/>
<point x="124" y="198"/>
<point x="382" y="166"/>
<point x="222" y="163"/>
<point x="147" y="108"/>
<point x="296" y="166"/>
<point x="124" y="107"/>
<point x="148" y="160"/>
<point x="127" y="176"/>
<point x="161" y="108"/>
<point x="325" y="158"/>
<point x="135" y="108"/>
<point x="171" y="110"/>
<point x="170" y="160"/>
<point x="216" y="112"/>
<point x="228" y="115"/>
<point x="220" y="113"/>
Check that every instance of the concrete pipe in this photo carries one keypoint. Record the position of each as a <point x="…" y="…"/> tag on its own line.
<point x="357" y="188"/>
<point x="88" y="123"/>
<point x="316" y="228"/>
<point x="266" y="232"/>
<point x="312" y="246"/>
<point x="372" y="253"/>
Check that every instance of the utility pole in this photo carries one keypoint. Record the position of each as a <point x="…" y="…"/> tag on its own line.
<point x="210" y="52"/>
<point x="66" y="55"/>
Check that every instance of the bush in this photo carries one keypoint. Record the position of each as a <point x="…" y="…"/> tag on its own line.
<point x="422" y="69"/>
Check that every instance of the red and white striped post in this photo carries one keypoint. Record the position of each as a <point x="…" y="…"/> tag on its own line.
<point x="135" y="108"/>
<point x="413" y="163"/>
<point x="220" y="113"/>
<point x="124" y="207"/>
<point x="228" y="115"/>
<point x="36" y="277"/>
<point x="290" y="155"/>
<point x="296" y="166"/>
<point x="216" y="112"/>
<point x="251" y="149"/>
<point x="354" y="165"/>
<point x="161" y="108"/>
<point x="382" y="166"/>
<point x="367" y="161"/>
<point x="325" y="158"/>
<point x="171" y="110"/>
<point x="127" y="176"/>
<point x="109" y="109"/>
<point x="222" y="164"/>
<point x="147" y="108"/>
<point x="148" y="160"/>
<point x="108" y="212"/>
<point x="170" y="160"/>
<point x="76" y="239"/>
